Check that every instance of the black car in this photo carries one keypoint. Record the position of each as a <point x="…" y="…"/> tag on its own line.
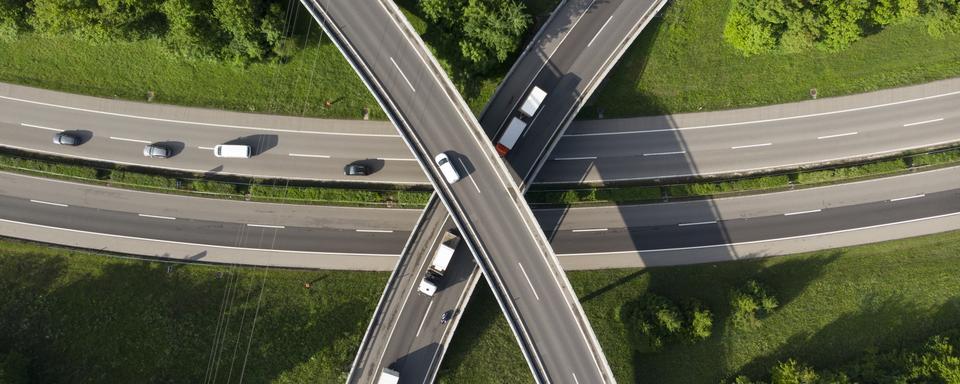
<point x="445" y="317"/>
<point x="356" y="170"/>
<point x="66" y="138"/>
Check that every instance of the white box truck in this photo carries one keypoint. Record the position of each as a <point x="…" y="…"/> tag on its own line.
<point x="441" y="259"/>
<point x="533" y="102"/>
<point x="389" y="376"/>
<point x="510" y="136"/>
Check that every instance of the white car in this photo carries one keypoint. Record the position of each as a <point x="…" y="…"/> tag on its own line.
<point x="446" y="167"/>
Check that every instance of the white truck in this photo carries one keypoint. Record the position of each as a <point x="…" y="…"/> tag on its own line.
<point x="441" y="259"/>
<point x="510" y="136"/>
<point x="389" y="376"/>
<point x="533" y="102"/>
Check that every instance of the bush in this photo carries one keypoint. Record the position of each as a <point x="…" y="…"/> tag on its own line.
<point x="828" y="175"/>
<point x="656" y="321"/>
<point x="75" y="171"/>
<point x="760" y="26"/>
<point x="750" y="304"/>
<point x="945" y="157"/>
<point x="791" y="372"/>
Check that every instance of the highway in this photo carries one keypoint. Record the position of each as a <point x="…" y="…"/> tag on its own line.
<point x="658" y="147"/>
<point x="486" y="205"/>
<point x="592" y="230"/>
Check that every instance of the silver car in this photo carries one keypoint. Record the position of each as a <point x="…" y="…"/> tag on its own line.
<point x="156" y="151"/>
<point x="66" y="138"/>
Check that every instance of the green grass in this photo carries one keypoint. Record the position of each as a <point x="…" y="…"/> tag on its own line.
<point x="129" y="70"/>
<point x="84" y="318"/>
<point x="722" y="187"/>
<point x="322" y="195"/>
<point x="45" y="168"/>
<point x="835" y="305"/>
<point x="680" y="64"/>
<point x="842" y="173"/>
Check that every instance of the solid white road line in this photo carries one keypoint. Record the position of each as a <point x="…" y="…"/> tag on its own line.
<point x="923" y="122"/>
<point x="665" y="153"/>
<point x="752" y="146"/>
<point x="190" y="122"/>
<point x="837" y="135"/>
<point x="909" y="197"/>
<point x="41" y="127"/>
<point x="206" y="148"/>
<point x="529" y="282"/>
<point x="48" y="203"/>
<point x="574" y="158"/>
<point x="770" y="120"/>
<point x="156" y="217"/>
<point x="600" y="30"/>
<point x="402" y="74"/>
<point x="374" y="230"/>
<point x="266" y="226"/>
<point x="697" y="223"/>
<point x="427" y="313"/>
<point x="802" y="212"/>
<point x="305" y="155"/>
<point x="591" y="230"/>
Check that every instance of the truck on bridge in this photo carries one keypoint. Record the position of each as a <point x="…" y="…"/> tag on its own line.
<point x="441" y="259"/>
<point x="513" y="132"/>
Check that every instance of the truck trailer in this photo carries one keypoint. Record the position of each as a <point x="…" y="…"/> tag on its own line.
<point x="510" y="136"/>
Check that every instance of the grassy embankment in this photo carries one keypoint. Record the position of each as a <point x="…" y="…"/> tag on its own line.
<point x="79" y="317"/>
<point x="76" y="317"/>
<point x="681" y="64"/>
<point x="835" y="305"/>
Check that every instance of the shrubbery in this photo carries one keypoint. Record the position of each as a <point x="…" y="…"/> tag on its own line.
<point x="750" y="304"/>
<point x="762" y="26"/>
<point x="656" y="321"/>
<point x="242" y="30"/>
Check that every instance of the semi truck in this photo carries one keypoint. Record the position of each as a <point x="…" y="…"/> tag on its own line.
<point x="441" y="259"/>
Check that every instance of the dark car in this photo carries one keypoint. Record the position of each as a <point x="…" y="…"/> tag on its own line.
<point x="356" y="170"/>
<point x="157" y="151"/>
<point x="445" y="317"/>
<point x="66" y="138"/>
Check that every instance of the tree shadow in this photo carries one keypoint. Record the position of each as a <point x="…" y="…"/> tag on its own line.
<point x="885" y="323"/>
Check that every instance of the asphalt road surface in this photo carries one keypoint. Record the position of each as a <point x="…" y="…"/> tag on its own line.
<point x="610" y="150"/>
<point x="486" y="205"/>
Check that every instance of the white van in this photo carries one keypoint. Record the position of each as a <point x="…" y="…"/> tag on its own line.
<point x="234" y="151"/>
<point x="446" y="167"/>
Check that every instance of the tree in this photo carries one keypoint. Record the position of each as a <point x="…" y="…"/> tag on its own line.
<point x="188" y="31"/>
<point x="238" y="19"/>
<point x="485" y="32"/>
<point x="11" y="18"/>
